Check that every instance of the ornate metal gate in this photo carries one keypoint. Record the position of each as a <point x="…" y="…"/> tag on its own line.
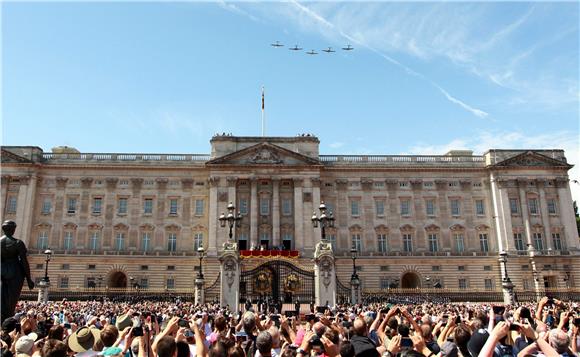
<point x="279" y="280"/>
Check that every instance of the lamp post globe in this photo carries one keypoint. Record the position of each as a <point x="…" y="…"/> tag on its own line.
<point x="200" y="252"/>
<point x="48" y="254"/>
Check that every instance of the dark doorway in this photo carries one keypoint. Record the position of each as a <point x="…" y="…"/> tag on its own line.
<point x="242" y="244"/>
<point x="118" y="279"/>
<point x="410" y="281"/>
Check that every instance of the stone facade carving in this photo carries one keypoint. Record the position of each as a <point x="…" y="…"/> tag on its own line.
<point x="265" y="156"/>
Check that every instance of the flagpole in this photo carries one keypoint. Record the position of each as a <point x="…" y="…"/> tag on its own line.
<point x="263" y="121"/>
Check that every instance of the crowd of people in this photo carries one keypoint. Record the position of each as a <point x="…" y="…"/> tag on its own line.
<point x="375" y="329"/>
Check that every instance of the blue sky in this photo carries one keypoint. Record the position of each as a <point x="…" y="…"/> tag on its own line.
<point x="164" y="77"/>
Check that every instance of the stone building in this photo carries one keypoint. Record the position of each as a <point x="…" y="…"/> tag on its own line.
<point x="416" y="221"/>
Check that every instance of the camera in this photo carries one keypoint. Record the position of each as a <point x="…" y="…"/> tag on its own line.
<point x="498" y="310"/>
<point x="183" y="323"/>
<point x="525" y="313"/>
<point x="406" y="342"/>
<point x="137" y="331"/>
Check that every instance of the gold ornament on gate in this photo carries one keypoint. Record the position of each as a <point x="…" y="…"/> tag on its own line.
<point x="263" y="282"/>
<point x="292" y="283"/>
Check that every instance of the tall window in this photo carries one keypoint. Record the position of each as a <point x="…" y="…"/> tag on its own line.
<point x="557" y="241"/>
<point x="173" y="206"/>
<point x="146" y="241"/>
<point x="533" y="204"/>
<point x="538" y="242"/>
<point x="355" y="208"/>
<point x="97" y="205"/>
<point x="11" y="207"/>
<point x="63" y="284"/>
<point x="407" y="243"/>
<point x="242" y="241"/>
<point x="382" y="241"/>
<point x="287" y="241"/>
<point x="455" y="207"/>
<point x="430" y="207"/>
<point x="94" y="243"/>
<point x="332" y="240"/>
<point x="264" y="206"/>
<point x="514" y="207"/>
<point x="488" y="284"/>
<point x="265" y="240"/>
<point x="144" y="283"/>
<point x="286" y="207"/>
<point x="380" y="207"/>
<point x="172" y="242"/>
<point x="197" y="241"/>
<point x="243" y="206"/>
<point x="68" y="240"/>
<point x="459" y="242"/>
<point x="72" y="205"/>
<point x="42" y="240"/>
<point x="122" y="209"/>
<point x="356" y="242"/>
<point x="552" y="206"/>
<point x="148" y="206"/>
<point x="519" y="242"/>
<point x="199" y="207"/>
<point x="405" y="207"/>
<point x="483" y="243"/>
<point x="46" y="206"/>
<point x="432" y="241"/>
<point x="462" y="283"/>
<point x="120" y="241"/>
<point x="479" y="208"/>
<point x="170" y="283"/>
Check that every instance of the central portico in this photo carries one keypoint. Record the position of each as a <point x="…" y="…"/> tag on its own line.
<point x="275" y="184"/>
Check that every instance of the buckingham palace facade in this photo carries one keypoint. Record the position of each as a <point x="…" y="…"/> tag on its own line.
<point x="415" y="221"/>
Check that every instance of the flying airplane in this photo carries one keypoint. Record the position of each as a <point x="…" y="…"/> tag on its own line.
<point x="277" y="44"/>
<point x="348" y="48"/>
<point x="311" y="52"/>
<point x="329" y="50"/>
<point x="295" y="48"/>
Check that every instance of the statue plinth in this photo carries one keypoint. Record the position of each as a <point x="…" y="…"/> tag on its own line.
<point x="324" y="274"/>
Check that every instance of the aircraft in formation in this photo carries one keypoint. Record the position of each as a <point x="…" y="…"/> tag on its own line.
<point x="311" y="52"/>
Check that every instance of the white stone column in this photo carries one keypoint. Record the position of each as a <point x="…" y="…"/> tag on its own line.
<point x="26" y="228"/>
<point x="565" y="207"/>
<point x="524" y="211"/>
<point x="498" y="213"/>
<point x="276" y="241"/>
<point x="213" y="208"/>
<point x="506" y="216"/>
<point x="316" y="233"/>
<point x="545" y="217"/>
<point x="3" y="196"/>
<point x="254" y="208"/>
<point x="298" y="214"/>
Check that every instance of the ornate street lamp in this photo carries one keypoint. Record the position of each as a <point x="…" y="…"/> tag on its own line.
<point x="428" y="282"/>
<point x="132" y="280"/>
<point x="201" y="252"/>
<point x="100" y="279"/>
<point x="324" y="220"/>
<point x="231" y="219"/>
<point x="507" y="286"/>
<point x="48" y="254"/>
<point x="354" y="279"/>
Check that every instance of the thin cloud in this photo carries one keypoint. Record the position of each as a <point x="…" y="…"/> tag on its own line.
<point x="477" y="112"/>
<point x="235" y="9"/>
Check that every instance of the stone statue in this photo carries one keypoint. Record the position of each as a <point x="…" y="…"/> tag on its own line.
<point x="14" y="269"/>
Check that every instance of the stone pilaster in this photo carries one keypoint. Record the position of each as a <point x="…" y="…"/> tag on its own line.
<point x="522" y="183"/>
<point x="544" y="216"/>
<point x="276" y="240"/>
<point x="254" y="209"/>
<point x="298" y="212"/>
<point x="230" y="271"/>
<point x="213" y="208"/>
<point x="232" y="197"/>
<point x="567" y="217"/>
<point x="324" y="275"/>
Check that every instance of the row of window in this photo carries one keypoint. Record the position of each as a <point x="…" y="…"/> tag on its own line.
<point x="533" y="206"/>
<point x="538" y="241"/>
<point x="405" y="207"/>
<point x="463" y="283"/>
<point x="119" y="242"/>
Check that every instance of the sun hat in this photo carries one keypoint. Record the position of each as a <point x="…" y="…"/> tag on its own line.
<point x="123" y="321"/>
<point x="25" y="343"/>
<point x="84" y="339"/>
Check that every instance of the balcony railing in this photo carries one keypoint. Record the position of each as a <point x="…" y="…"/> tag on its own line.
<point x="404" y="160"/>
<point x="100" y="157"/>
